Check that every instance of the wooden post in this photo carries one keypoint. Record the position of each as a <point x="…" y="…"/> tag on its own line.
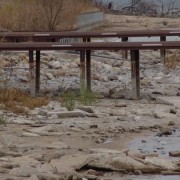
<point x="163" y="51"/>
<point x="124" y="52"/>
<point x="38" y="56"/>
<point x="32" y="74"/>
<point x="88" y="67"/>
<point x="135" y="77"/>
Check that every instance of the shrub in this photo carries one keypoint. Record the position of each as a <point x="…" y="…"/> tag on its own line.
<point x="85" y="97"/>
<point x="18" y="101"/>
<point x="165" y="23"/>
<point x="68" y="100"/>
<point x="2" y="119"/>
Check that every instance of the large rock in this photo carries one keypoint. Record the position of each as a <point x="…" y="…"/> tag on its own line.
<point x="164" y="164"/>
<point x="174" y="153"/>
<point x="71" y="114"/>
<point x="106" y="151"/>
<point x="23" y="171"/>
<point x="70" y="163"/>
<point x="122" y="163"/>
<point x="49" y="130"/>
<point x="50" y="76"/>
<point x="88" y="109"/>
<point x="25" y="160"/>
<point x="49" y="176"/>
<point x="54" y="64"/>
<point x="129" y="164"/>
<point x="22" y="121"/>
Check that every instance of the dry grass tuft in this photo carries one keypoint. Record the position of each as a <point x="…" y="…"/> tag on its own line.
<point x="18" y="101"/>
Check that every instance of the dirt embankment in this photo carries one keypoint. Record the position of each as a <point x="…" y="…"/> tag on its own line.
<point x="124" y="22"/>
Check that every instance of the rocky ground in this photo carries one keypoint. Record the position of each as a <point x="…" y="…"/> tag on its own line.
<point x="90" y="142"/>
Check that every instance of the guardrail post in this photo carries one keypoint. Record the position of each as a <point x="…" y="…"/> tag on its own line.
<point x="124" y="52"/>
<point x="82" y="69"/>
<point x="38" y="56"/>
<point x="32" y="74"/>
<point x="88" y="67"/>
<point x="135" y="74"/>
<point x="163" y="51"/>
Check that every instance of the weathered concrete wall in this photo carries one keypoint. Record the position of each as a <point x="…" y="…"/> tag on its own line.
<point x="85" y="22"/>
<point x="89" y="20"/>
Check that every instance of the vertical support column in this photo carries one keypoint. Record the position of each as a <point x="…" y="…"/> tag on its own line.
<point x="38" y="55"/>
<point x="124" y="52"/>
<point x="163" y="51"/>
<point x="135" y="77"/>
<point x="32" y="74"/>
<point x="82" y="69"/>
<point x="88" y="67"/>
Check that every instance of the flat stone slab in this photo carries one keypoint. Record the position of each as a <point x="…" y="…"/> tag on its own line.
<point x="170" y="100"/>
<point x="67" y="164"/>
<point x="71" y="114"/>
<point x="106" y="151"/>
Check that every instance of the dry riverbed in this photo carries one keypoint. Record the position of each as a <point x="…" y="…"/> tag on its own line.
<point x="100" y="141"/>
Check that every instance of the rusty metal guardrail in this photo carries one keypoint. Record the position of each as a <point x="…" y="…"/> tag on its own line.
<point x="85" y="57"/>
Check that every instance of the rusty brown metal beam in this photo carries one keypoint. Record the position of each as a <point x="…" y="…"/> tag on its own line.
<point x="90" y="46"/>
<point x="70" y="34"/>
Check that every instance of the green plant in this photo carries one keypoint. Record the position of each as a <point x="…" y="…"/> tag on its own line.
<point x="87" y="97"/>
<point x="84" y="97"/>
<point x="2" y="119"/>
<point x="68" y="100"/>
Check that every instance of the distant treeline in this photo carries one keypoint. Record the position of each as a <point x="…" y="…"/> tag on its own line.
<point x="158" y="7"/>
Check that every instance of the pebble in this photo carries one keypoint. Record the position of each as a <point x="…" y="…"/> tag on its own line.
<point x="171" y="123"/>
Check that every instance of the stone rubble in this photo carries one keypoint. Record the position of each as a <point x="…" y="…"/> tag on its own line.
<point x="53" y="143"/>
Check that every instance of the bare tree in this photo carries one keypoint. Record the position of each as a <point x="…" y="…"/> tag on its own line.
<point x="51" y="12"/>
<point x="141" y="7"/>
<point x="132" y="5"/>
<point x="146" y="7"/>
<point x="166" y="7"/>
